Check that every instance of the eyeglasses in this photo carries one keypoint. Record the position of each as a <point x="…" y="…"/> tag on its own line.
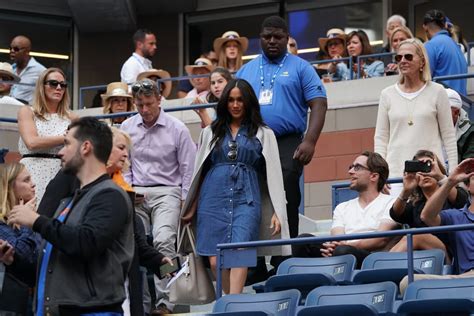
<point x="232" y="154"/>
<point x="146" y="86"/>
<point x="292" y="44"/>
<point x="408" y="57"/>
<point x="54" y="84"/>
<point x="358" y="167"/>
<point x="16" y="49"/>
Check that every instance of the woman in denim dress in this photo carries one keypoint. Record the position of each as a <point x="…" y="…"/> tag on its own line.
<point x="229" y="201"/>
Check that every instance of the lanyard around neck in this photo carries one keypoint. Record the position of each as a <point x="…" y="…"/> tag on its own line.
<point x="272" y="81"/>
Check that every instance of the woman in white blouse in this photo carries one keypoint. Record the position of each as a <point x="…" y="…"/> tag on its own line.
<point x="414" y="113"/>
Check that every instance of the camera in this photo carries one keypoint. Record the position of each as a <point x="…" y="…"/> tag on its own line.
<point x="417" y="166"/>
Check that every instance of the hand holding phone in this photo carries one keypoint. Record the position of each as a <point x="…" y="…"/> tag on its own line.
<point x="168" y="268"/>
<point x="417" y="166"/>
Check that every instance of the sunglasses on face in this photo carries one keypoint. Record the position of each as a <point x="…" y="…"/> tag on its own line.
<point x="54" y="84"/>
<point x="16" y="49"/>
<point x="232" y="154"/>
<point x="358" y="167"/>
<point x="408" y="57"/>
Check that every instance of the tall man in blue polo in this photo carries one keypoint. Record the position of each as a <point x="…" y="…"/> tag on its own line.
<point x="287" y="86"/>
<point x="444" y="54"/>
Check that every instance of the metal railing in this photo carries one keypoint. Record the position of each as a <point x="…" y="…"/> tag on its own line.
<point x="88" y="88"/>
<point x="244" y="254"/>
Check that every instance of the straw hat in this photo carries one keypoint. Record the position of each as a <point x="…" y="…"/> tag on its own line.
<point x="161" y="74"/>
<point x="116" y="89"/>
<point x="199" y="63"/>
<point x="230" y="36"/>
<point x="331" y="34"/>
<point x="6" y="69"/>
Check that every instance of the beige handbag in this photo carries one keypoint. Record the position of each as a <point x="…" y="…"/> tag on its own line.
<point x="194" y="285"/>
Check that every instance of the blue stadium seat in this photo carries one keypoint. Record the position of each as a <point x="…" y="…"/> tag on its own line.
<point x="439" y="296"/>
<point x="243" y="313"/>
<point x="334" y="310"/>
<point x="281" y="303"/>
<point x="380" y="296"/>
<point x="306" y="274"/>
<point x="393" y="266"/>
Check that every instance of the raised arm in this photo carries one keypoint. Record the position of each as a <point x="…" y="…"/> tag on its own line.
<point x="430" y="213"/>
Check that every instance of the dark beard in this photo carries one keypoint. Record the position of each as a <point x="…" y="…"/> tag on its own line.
<point x="74" y="165"/>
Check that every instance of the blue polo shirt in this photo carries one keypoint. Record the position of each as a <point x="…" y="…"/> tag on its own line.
<point x="446" y="58"/>
<point x="461" y="242"/>
<point x="296" y="83"/>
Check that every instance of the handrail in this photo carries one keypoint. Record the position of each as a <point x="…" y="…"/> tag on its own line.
<point x="307" y="240"/>
<point x="126" y="114"/>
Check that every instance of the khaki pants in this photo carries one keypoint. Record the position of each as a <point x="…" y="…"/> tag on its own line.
<point x="416" y="277"/>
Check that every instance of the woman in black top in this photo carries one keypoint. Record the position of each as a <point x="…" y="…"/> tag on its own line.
<point x="417" y="189"/>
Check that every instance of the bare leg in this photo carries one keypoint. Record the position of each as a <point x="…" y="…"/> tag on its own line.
<point x="422" y="242"/>
<point x="237" y="280"/>
<point x="225" y="274"/>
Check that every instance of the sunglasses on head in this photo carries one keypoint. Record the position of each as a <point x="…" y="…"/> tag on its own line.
<point x="145" y="86"/>
<point x="408" y="57"/>
<point x="55" y="83"/>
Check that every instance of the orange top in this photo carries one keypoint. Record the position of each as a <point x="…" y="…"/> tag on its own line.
<point x="117" y="177"/>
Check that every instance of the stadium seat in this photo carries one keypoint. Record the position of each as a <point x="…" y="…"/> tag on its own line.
<point x="378" y="296"/>
<point x="305" y="274"/>
<point x="334" y="310"/>
<point x="276" y="303"/>
<point x="450" y="297"/>
<point x="393" y="266"/>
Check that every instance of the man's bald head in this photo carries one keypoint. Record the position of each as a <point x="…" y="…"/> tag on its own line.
<point x="20" y="49"/>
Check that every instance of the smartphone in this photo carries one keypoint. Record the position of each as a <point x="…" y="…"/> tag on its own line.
<point x="354" y="59"/>
<point x="139" y="195"/>
<point x="417" y="166"/>
<point x="168" y="268"/>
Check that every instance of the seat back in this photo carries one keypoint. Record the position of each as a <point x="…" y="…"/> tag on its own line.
<point x="380" y="296"/>
<point x="440" y="289"/>
<point x="429" y="261"/>
<point x="278" y="303"/>
<point x="339" y="267"/>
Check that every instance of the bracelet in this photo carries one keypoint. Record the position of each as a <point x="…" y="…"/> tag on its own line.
<point x="402" y="199"/>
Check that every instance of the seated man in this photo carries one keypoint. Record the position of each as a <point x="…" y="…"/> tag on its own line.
<point x="367" y="213"/>
<point x="460" y="242"/>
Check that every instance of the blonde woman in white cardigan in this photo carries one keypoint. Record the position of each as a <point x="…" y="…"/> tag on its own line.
<point x="414" y="113"/>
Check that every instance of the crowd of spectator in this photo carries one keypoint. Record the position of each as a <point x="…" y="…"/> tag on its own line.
<point x="123" y="179"/>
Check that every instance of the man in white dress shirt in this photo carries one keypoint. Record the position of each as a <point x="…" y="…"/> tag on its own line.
<point x="145" y="48"/>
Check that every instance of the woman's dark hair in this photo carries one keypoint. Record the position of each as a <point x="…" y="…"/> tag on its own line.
<point x="253" y="117"/>
<point x="225" y="74"/>
<point x="418" y="193"/>
<point x="364" y="40"/>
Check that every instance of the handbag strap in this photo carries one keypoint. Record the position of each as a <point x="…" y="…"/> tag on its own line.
<point x="187" y="231"/>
